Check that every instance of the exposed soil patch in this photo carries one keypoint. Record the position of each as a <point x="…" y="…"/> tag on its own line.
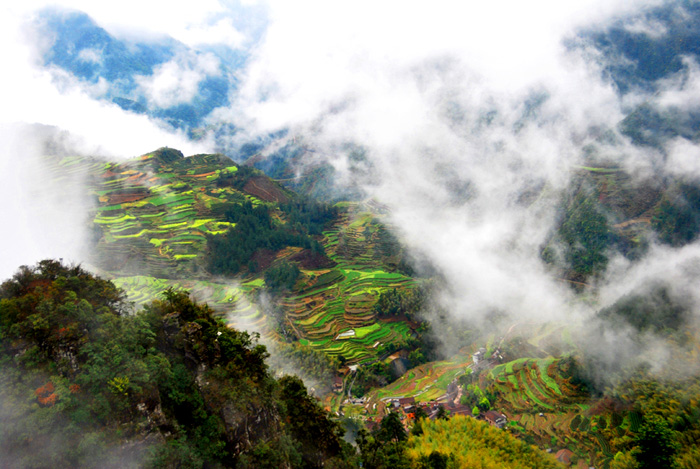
<point x="263" y="258"/>
<point x="126" y="198"/>
<point x="264" y="189"/>
<point x="312" y="261"/>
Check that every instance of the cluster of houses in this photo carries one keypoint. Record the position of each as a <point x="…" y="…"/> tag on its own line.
<point x="407" y="408"/>
<point x="481" y="360"/>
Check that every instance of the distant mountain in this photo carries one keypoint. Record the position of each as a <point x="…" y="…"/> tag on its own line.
<point x="125" y="72"/>
<point x="643" y="54"/>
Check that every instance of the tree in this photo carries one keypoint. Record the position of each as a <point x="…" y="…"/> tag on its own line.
<point x="657" y="443"/>
<point x="281" y="276"/>
<point x="370" y="449"/>
<point x="586" y="236"/>
<point x="319" y="437"/>
<point x="437" y="460"/>
<point x="484" y="404"/>
<point x="391" y="428"/>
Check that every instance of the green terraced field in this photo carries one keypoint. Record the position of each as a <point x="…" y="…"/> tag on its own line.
<point x="171" y="207"/>
<point x="340" y="300"/>
<point x="529" y="378"/>
<point x="154" y="213"/>
<point x="540" y="402"/>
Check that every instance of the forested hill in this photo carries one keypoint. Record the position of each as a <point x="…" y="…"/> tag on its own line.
<point x="83" y="384"/>
<point x="228" y="234"/>
<point x="333" y="291"/>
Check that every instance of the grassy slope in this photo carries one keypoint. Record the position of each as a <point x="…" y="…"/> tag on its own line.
<point x="153" y="213"/>
<point x="542" y="404"/>
<point x="474" y="443"/>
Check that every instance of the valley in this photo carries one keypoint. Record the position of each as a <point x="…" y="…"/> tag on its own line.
<point x="154" y="221"/>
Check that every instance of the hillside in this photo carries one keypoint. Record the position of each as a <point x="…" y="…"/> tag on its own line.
<point x="608" y="211"/>
<point x="542" y="383"/>
<point x="229" y="234"/>
<point x="84" y="384"/>
<point x="328" y="287"/>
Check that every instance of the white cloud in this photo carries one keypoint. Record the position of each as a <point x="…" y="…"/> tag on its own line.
<point x="653" y="29"/>
<point x="683" y="159"/>
<point x="91" y="55"/>
<point x="193" y="23"/>
<point x="44" y="216"/>
<point x="316" y="52"/>
<point x="29" y="94"/>
<point x="681" y="90"/>
<point x="221" y="32"/>
<point x="481" y="98"/>
<point x="177" y="81"/>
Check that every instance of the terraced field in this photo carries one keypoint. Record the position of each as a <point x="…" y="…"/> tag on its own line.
<point x="526" y="384"/>
<point x="229" y="300"/>
<point x="540" y="402"/>
<point x="333" y="310"/>
<point x="425" y="383"/>
<point x="334" y="314"/>
<point x="155" y="217"/>
<point x="152" y="216"/>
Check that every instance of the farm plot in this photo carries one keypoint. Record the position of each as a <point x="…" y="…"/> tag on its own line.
<point x="159" y="215"/>
<point x="425" y="382"/>
<point x="229" y="301"/>
<point x="527" y="384"/>
<point x="334" y="312"/>
<point x="540" y="402"/>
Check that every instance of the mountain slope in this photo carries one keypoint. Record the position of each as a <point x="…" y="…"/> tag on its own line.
<point x="160" y="77"/>
<point x="84" y="384"/>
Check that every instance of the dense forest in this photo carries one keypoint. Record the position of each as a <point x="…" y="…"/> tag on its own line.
<point x="256" y="230"/>
<point x="87" y="383"/>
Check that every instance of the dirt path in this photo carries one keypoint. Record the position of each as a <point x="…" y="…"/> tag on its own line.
<point x="272" y="198"/>
<point x="573" y="282"/>
<point x="632" y="222"/>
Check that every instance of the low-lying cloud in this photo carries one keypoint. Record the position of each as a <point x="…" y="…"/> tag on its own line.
<point x="177" y="81"/>
<point x="460" y="113"/>
<point x="472" y="121"/>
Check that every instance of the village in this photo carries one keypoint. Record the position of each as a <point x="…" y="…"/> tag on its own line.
<point x="408" y="408"/>
<point x="449" y="404"/>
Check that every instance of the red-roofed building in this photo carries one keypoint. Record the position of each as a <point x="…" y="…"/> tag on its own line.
<point x="496" y="419"/>
<point x="564" y="456"/>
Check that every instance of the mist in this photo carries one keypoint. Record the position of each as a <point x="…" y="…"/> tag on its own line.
<point x="470" y="122"/>
<point x="46" y="214"/>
